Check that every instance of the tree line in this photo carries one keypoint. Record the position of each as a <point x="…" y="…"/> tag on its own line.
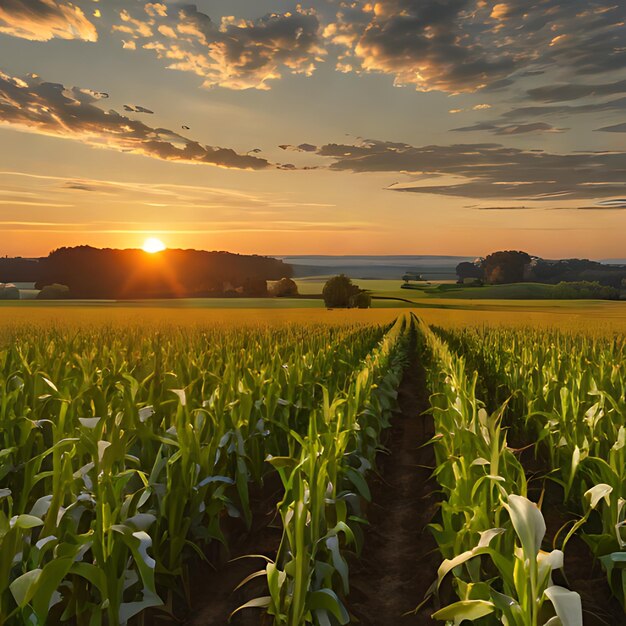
<point x="515" y="266"/>
<point x="126" y="274"/>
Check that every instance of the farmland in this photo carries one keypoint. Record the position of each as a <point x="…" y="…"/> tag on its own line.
<point x="333" y="454"/>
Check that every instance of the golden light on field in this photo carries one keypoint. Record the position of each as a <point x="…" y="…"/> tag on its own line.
<point x="152" y="245"/>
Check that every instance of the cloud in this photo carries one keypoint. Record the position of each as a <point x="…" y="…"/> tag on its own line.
<point x="617" y="128"/>
<point x="512" y="129"/>
<point x="465" y="45"/>
<point x="186" y="199"/>
<point x="487" y="170"/>
<point x="564" y="92"/>
<point x="232" y="53"/>
<point x="616" y="205"/>
<point x="52" y="109"/>
<point x="42" y="20"/>
<point x="616" y="104"/>
<point x="431" y="44"/>
<point x="303" y="147"/>
<point x="135" y="108"/>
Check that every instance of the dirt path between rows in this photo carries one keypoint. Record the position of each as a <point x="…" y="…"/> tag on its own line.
<point x="214" y="591"/>
<point x="400" y="558"/>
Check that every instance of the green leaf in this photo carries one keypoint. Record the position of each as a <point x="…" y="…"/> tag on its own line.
<point x="597" y="493"/>
<point x="257" y="603"/>
<point x="327" y="600"/>
<point x="465" y="610"/>
<point x="528" y="523"/>
<point x="24" y="587"/>
<point x="567" y="605"/>
<point x="25" y="521"/>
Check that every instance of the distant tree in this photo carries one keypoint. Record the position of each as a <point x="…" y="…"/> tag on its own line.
<point x="469" y="270"/>
<point x="362" y="300"/>
<point x="54" y="292"/>
<point x="505" y="267"/>
<point x="340" y="292"/>
<point x="19" y="270"/>
<point x="283" y="288"/>
<point x="254" y="288"/>
<point x="106" y="273"/>
<point x="585" y="290"/>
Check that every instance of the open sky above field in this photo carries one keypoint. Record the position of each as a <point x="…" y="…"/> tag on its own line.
<point x="325" y="127"/>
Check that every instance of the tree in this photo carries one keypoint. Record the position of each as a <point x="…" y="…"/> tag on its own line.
<point x="340" y="292"/>
<point x="54" y="292"/>
<point x="469" y="270"/>
<point x="119" y="274"/>
<point x="283" y="288"/>
<point x="362" y="300"/>
<point x="505" y="267"/>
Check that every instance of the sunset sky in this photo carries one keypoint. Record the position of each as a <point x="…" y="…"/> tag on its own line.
<point x="326" y="127"/>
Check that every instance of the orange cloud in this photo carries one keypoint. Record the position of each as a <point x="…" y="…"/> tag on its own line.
<point x="52" y="109"/>
<point x="42" y="20"/>
<point x="232" y="53"/>
<point x="466" y="45"/>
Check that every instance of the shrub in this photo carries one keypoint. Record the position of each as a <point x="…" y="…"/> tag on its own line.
<point x="585" y="290"/>
<point x="283" y="288"/>
<point x="362" y="300"/>
<point x="340" y="292"/>
<point x="54" y="292"/>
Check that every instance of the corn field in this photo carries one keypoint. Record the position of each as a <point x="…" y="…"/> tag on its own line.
<point x="127" y="452"/>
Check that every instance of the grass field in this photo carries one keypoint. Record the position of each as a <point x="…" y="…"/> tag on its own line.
<point x="439" y="290"/>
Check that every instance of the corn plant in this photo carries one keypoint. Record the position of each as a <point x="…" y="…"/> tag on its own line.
<point x="126" y="450"/>
<point x="528" y="597"/>
<point x="323" y="484"/>
<point x="569" y="394"/>
<point x="485" y="511"/>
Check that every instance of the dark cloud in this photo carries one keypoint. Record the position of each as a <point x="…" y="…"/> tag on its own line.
<point x="488" y="170"/>
<point x="52" y="109"/>
<point x="303" y="147"/>
<point x="134" y="108"/>
<point x="617" y="104"/>
<point x="512" y="129"/>
<point x="619" y="205"/>
<point x="232" y="53"/>
<point x="616" y="203"/>
<point x="562" y="93"/>
<point x="464" y="45"/>
<point x="42" y="20"/>
<point x="617" y="128"/>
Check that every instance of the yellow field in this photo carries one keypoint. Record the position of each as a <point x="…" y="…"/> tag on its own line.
<point x="54" y="316"/>
<point x="588" y="316"/>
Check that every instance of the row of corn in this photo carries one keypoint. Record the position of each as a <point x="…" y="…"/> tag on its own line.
<point x="489" y="533"/>
<point x="568" y="398"/>
<point x="325" y="486"/>
<point x="125" y="451"/>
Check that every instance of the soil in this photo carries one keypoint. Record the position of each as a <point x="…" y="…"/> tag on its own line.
<point x="400" y="558"/>
<point x="213" y="588"/>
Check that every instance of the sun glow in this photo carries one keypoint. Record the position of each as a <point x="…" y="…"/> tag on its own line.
<point x="152" y="245"/>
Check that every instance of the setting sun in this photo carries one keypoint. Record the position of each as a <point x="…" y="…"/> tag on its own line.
<point x="152" y="245"/>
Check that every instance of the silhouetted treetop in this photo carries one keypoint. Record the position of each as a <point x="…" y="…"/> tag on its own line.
<point x="118" y="274"/>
